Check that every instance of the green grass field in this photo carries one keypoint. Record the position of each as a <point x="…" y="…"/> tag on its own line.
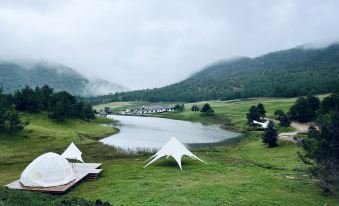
<point x="245" y="173"/>
<point x="112" y="105"/>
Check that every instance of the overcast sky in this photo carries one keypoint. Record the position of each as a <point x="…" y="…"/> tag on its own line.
<point x="152" y="43"/>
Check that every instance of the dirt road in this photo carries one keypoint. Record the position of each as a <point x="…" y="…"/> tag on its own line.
<point x="300" y="128"/>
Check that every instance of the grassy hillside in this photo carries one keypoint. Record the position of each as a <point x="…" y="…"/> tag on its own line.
<point x="231" y="113"/>
<point x="287" y="73"/>
<point x="44" y="135"/>
<point x="246" y="173"/>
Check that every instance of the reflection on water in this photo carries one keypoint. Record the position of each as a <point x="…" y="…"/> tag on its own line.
<point x="152" y="133"/>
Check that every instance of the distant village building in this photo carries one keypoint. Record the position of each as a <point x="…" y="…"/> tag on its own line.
<point x="103" y="114"/>
<point x="149" y="109"/>
<point x="107" y="110"/>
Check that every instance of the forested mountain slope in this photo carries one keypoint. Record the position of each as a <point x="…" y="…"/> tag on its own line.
<point x="287" y="73"/>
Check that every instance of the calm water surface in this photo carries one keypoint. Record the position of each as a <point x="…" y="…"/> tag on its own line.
<point x="152" y="133"/>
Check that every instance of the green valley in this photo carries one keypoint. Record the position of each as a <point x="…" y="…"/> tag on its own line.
<point x="242" y="173"/>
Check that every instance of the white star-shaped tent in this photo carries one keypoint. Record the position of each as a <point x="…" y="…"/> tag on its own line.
<point x="72" y="152"/>
<point x="175" y="149"/>
<point x="263" y="125"/>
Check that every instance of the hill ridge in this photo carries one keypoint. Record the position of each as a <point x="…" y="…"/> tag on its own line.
<point x="286" y="73"/>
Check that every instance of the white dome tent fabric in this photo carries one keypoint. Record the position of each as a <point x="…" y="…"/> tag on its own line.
<point x="263" y="125"/>
<point x="175" y="149"/>
<point x="47" y="170"/>
<point x="72" y="152"/>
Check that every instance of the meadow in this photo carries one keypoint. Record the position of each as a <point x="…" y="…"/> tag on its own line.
<point x="242" y="173"/>
<point x="113" y="105"/>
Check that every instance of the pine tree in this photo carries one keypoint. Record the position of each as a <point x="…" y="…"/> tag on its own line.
<point x="2" y="110"/>
<point x="195" y="108"/>
<point x="314" y="103"/>
<point x="285" y="121"/>
<point x="261" y="110"/>
<point x="88" y="112"/>
<point x="253" y="114"/>
<point x="271" y="135"/>
<point x="58" y="112"/>
<point x="14" y="121"/>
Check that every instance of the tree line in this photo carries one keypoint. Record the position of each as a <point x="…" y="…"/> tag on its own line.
<point x="321" y="146"/>
<point x="59" y="105"/>
<point x="206" y="109"/>
<point x="10" y="120"/>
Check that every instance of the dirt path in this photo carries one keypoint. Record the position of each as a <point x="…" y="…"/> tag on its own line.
<point x="300" y="128"/>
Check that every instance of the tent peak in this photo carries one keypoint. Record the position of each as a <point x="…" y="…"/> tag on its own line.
<point x="72" y="152"/>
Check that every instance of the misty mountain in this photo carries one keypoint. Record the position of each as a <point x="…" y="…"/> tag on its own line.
<point x="97" y="87"/>
<point x="288" y="73"/>
<point x="17" y="74"/>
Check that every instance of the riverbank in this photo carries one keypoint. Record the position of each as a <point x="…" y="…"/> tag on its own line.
<point x="230" y="115"/>
<point x="246" y="173"/>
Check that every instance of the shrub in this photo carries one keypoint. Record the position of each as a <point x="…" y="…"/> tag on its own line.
<point x="279" y="113"/>
<point x="207" y="109"/>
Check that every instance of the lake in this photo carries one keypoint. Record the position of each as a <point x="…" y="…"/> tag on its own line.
<point x="138" y="132"/>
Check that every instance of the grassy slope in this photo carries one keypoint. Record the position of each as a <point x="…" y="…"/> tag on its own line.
<point x="43" y="135"/>
<point x="243" y="174"/>
<point x="249" y="174"/>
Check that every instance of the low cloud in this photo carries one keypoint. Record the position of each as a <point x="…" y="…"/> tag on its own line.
<point x="321" y="44"/>
<point x="145" y="44"/>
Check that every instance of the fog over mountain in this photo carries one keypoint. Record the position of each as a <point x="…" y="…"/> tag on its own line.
<point x="151" y="43"/>
<point x="287" y="73"/>
<point x="17" y="74"/>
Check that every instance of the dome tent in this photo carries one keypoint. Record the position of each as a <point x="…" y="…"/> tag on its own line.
<point x="47" y="170"/>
